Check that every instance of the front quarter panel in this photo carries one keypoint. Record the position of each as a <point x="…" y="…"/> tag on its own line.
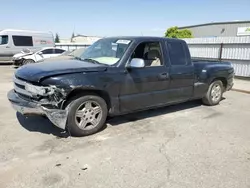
<point x="101" y="81"/>
<point x="30" y="57"/>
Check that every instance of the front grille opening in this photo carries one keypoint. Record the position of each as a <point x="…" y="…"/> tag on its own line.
<point x="20" y="86"/>
<point x="25" y="97"/>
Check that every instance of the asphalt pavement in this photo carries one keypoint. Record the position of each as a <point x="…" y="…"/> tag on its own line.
<point x="186" y="145"/>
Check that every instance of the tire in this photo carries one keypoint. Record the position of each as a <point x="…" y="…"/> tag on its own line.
<point x="214" y="93"/>
<point x="28" y="61"/>
<point x="17" y="63"/>
<point x="84" y="109"/>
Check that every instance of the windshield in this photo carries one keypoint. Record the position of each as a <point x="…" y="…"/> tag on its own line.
<point x="3" y="39"/>
<point x="77" y="52"/>
<point x="106" y="51"/>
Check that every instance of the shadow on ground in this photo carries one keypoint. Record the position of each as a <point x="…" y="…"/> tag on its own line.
<point x="153" y="112"/>
<point x="40" y="124"/>
<point x="43" y="125"/>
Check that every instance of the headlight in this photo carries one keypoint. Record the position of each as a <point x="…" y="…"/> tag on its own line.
<point x="16" y="58"/>
<point x="37" y="90"/>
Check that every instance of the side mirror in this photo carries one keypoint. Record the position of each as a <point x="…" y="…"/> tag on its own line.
<point x="40" y="53"/>
<point x="136" y="63"/>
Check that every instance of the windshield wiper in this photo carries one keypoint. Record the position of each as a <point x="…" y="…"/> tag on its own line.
<point x="91" y="60"/>
<point x="78" y="58"/>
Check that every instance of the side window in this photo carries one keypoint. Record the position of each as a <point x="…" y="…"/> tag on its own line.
<point x="22" y="40"/>
<point x="177" y="53"/>
<point x="48" y="51"/>
<point x="4" y="39"/>
<point x="150" y="52"/>
<point x="59" y="51"/>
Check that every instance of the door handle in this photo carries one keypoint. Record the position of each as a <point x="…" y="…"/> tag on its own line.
<point x="164" y="75"/>
<point x="7" y="47"/>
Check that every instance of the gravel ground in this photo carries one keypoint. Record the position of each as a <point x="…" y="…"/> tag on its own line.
<point x="187" y="145"/>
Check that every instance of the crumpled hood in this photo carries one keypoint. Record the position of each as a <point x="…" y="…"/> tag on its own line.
<point x="37" y="71"/>
<point x="20" y="55"/>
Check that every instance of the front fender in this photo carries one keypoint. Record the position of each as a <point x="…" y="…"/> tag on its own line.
<point x="98" y="83"/>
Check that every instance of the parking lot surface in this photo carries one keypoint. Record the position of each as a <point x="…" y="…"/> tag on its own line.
<point x="186" y="145"/>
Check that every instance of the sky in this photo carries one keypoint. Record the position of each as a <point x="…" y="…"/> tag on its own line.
<point x="117" y="17"/>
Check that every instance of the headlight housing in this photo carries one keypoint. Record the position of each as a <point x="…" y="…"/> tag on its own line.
<point x="16" y="58"/>
<point x="38" y="90"/>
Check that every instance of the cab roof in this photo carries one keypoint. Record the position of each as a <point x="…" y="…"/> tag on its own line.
<point x="141" y="38"/>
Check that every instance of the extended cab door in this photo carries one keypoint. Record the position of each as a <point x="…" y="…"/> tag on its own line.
<point x="147" y="86"/>
<point x="181" y="71"/>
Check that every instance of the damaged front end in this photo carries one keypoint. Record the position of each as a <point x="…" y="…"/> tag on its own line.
<point x="28" y="98"/>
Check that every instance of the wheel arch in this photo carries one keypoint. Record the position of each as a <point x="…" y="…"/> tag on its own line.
<point x="78" y="92"/>
<point x="222" y="79"/>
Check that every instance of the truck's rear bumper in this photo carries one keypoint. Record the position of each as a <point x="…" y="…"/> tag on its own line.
<point x="56" y="116"/>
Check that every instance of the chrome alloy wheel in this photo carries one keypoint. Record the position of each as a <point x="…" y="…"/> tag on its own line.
<point x="216" y="93"/>
<point x="88" y="115"/>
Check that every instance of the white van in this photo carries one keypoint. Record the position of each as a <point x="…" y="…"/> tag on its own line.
<point x="14" y="41"/>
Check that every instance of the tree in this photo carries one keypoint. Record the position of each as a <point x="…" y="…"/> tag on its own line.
<point x="72" y="36"/>
<point x="174" y="32"/>
<point x="57" y="39"/>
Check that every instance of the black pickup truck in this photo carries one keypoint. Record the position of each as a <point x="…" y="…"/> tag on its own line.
<point x="114" y="76"/>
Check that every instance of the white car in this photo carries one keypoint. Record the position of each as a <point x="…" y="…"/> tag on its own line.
<point x="27" y="56"/>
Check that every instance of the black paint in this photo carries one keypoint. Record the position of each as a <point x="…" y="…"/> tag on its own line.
<point x="134" y="89"/>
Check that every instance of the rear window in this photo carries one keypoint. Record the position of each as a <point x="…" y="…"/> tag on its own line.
<point x="177" y="53"/>
<point x="22" y="40"/>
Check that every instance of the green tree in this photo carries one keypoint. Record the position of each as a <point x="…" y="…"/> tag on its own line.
<point x="174" y="32"/>
<point x="57" y="38"/>
<point x="72" y="36"/>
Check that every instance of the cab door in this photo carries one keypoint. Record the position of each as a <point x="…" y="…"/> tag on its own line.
<point x="147" y="86"/>
<point x="181" y="71"/>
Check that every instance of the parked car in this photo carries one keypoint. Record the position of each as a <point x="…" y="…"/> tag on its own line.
<point x="27" y="56"/>
<point x="13" y="41"/>
<point x="66" y="55"/>
<point x="140" y="73"/>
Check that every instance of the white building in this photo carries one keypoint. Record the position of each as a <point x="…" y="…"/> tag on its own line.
<point x="64" y="40"/>
<point x="82" y="39"/>
<point x="85" y="39"/>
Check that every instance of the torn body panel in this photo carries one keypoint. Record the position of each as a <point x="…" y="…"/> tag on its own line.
<point x="57" y="116"/>
<point x="28" y="98"/>
<point x="50" y="95"/>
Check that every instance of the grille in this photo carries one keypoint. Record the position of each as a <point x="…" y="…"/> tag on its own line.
<point x="19" y="87"/>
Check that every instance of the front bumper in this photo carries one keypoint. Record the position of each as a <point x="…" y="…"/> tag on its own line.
<point x="17" y="62"/>
<point x="56" y="116"/>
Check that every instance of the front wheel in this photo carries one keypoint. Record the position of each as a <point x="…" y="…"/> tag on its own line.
<point x="87" y="115"/>
<point x="28" y="61"/>
<point x="214" y="93"/>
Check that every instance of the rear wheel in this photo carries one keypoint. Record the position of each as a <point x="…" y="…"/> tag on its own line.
<point x="28" y="61"/>
<point x="214" y="93"/>
<point x="87" y="115"/>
